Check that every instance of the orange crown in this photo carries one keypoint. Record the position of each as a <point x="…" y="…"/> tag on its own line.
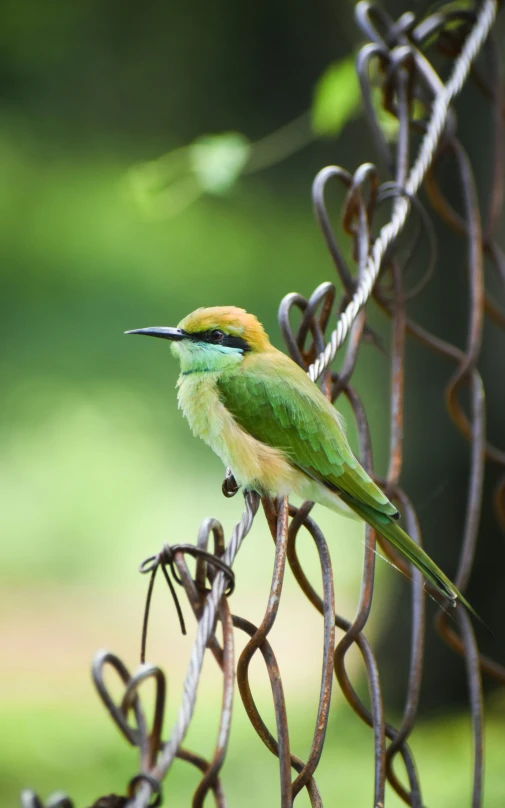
<point x="231" y="320"/>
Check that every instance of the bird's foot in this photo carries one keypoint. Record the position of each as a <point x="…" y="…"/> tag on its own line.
<point x="230" y="486"/>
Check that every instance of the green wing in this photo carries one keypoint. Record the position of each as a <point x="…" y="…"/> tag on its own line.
<point x="274" y="401"/>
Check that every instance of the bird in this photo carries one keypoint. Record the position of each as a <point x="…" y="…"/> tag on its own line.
<point x="273" y="427"/>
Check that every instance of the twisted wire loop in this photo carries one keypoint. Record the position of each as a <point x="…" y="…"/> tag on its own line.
<point x="396" y="57"/>
<point x="434" y="130"/>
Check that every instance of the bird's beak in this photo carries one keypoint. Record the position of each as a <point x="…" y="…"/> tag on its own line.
<point x="162" y="332"/>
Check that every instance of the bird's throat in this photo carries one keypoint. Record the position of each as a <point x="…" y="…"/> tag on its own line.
<point x="198" y="358"/>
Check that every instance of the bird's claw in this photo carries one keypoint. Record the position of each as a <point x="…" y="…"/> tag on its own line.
<point x="230" y="486"/>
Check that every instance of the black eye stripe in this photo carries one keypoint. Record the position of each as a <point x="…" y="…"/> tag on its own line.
<point x="235" y="342"/>
<point x="228" y="340"/>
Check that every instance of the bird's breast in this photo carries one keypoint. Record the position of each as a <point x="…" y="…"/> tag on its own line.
<point x="254" y="464"/>
<point x="200" y="403"/>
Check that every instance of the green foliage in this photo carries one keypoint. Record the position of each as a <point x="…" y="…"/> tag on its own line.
<point x="164" y="187"/>
<point x="336" y="98"/>
<point x="218" y="160"/>
<point x="211" y="165"/>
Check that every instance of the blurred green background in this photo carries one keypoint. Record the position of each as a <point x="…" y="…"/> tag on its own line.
<point x="97" y="467"/>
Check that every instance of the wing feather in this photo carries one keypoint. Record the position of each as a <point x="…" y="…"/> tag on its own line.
<point x="274" y="401"/>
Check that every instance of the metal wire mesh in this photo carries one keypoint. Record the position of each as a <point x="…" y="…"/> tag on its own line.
<point x="396" y="61"/>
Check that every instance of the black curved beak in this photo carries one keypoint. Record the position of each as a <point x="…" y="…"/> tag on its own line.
<point x="162" y="332"/>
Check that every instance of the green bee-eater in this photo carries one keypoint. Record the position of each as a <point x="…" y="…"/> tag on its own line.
<point x="273" y="427"/>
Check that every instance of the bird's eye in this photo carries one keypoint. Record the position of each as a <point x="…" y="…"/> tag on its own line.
<point x="216" y="335"/>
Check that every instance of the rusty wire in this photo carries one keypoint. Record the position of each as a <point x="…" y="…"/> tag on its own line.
<point x="401" y="51"/>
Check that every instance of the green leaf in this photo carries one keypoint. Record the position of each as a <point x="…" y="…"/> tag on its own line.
<point x="163" y="187"/>
<point x="336" y="98"/>
<point x="218" y="160"/>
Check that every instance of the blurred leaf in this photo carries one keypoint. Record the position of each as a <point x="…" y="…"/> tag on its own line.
<point x="218" y="160"/>
<point x="211" y="164"/>
<point x="336" y="98"/>
<point x="163" y="187"/>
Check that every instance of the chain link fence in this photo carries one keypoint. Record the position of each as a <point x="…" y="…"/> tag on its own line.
<point x="397" y="67"/>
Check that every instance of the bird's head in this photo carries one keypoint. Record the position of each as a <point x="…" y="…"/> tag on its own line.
<point x="212" y="339"/>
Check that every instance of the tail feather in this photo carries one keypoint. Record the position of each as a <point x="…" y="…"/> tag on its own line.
<point x="394" y="534"/>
